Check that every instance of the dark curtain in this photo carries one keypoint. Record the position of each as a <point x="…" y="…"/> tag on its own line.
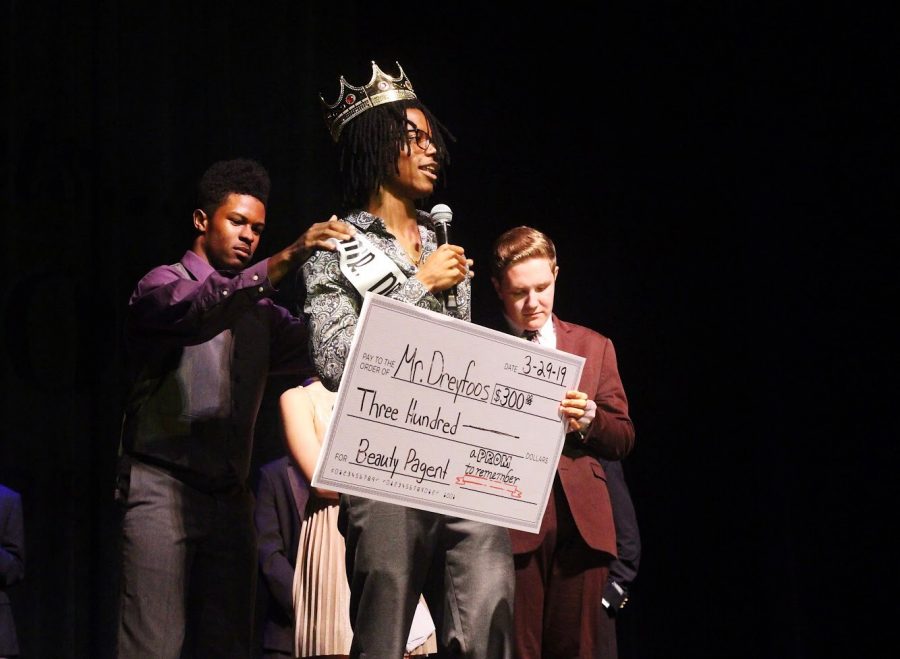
<point x="710" y="172"/>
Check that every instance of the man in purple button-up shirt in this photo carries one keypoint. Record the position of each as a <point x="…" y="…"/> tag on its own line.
<point x="203" y="335"/>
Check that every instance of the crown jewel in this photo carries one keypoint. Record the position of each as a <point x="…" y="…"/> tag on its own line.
<point x="353" y="101"/>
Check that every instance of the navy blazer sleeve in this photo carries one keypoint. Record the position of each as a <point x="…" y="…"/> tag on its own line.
<point x="623" y="571"/>
<point x="12" y="538"/>
<point x="274" y="553"/>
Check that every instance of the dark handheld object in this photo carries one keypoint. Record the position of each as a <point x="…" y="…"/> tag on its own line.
<point x="441" y="215"/>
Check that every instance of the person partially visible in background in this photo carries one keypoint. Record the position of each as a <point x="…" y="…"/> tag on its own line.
<point x="12" y="565"/>
<point x="624" y="570"/>
<point x="281" y="495"/>
<point x="321" y="595"/>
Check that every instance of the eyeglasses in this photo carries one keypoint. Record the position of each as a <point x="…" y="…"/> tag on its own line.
<point x="423" y="139"/>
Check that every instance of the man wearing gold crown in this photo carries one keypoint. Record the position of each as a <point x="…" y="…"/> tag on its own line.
<point x="392" y="151"/>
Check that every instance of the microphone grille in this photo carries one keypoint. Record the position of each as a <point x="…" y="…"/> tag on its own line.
<point x="441" y="213"/>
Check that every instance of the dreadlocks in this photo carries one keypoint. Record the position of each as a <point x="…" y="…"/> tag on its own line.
<point x="369" y="145"/>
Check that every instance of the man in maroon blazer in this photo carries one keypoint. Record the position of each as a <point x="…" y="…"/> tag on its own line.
<point x="562" y="570"/>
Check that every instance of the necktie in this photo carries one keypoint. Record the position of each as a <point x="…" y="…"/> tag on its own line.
<point x="531" y="335"/>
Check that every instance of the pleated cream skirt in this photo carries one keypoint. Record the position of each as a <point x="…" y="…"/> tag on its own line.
<point x="321" y="592"/>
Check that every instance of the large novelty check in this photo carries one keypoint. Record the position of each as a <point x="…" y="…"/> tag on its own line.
<point x="443" y="415"/>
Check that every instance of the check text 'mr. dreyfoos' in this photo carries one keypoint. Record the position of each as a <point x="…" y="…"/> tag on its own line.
<point x="413" y="369"/>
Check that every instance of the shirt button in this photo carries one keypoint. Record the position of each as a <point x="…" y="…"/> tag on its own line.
<point x="225" y="292"/>
<point x="255" y="277"/>
<point x="261" y="289"/>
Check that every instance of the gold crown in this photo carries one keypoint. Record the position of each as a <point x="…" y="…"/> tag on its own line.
<point x="353" y="101"/>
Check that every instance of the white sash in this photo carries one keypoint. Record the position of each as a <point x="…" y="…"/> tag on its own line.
<point x="367" y="267"/>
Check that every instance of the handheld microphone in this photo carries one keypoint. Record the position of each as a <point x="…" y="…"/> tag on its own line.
<point x="441" y="215"/>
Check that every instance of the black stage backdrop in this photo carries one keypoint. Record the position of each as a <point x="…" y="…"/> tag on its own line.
<point x="713" y="174"/>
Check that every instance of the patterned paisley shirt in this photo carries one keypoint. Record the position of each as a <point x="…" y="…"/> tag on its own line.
<point x="333" y="304"/>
